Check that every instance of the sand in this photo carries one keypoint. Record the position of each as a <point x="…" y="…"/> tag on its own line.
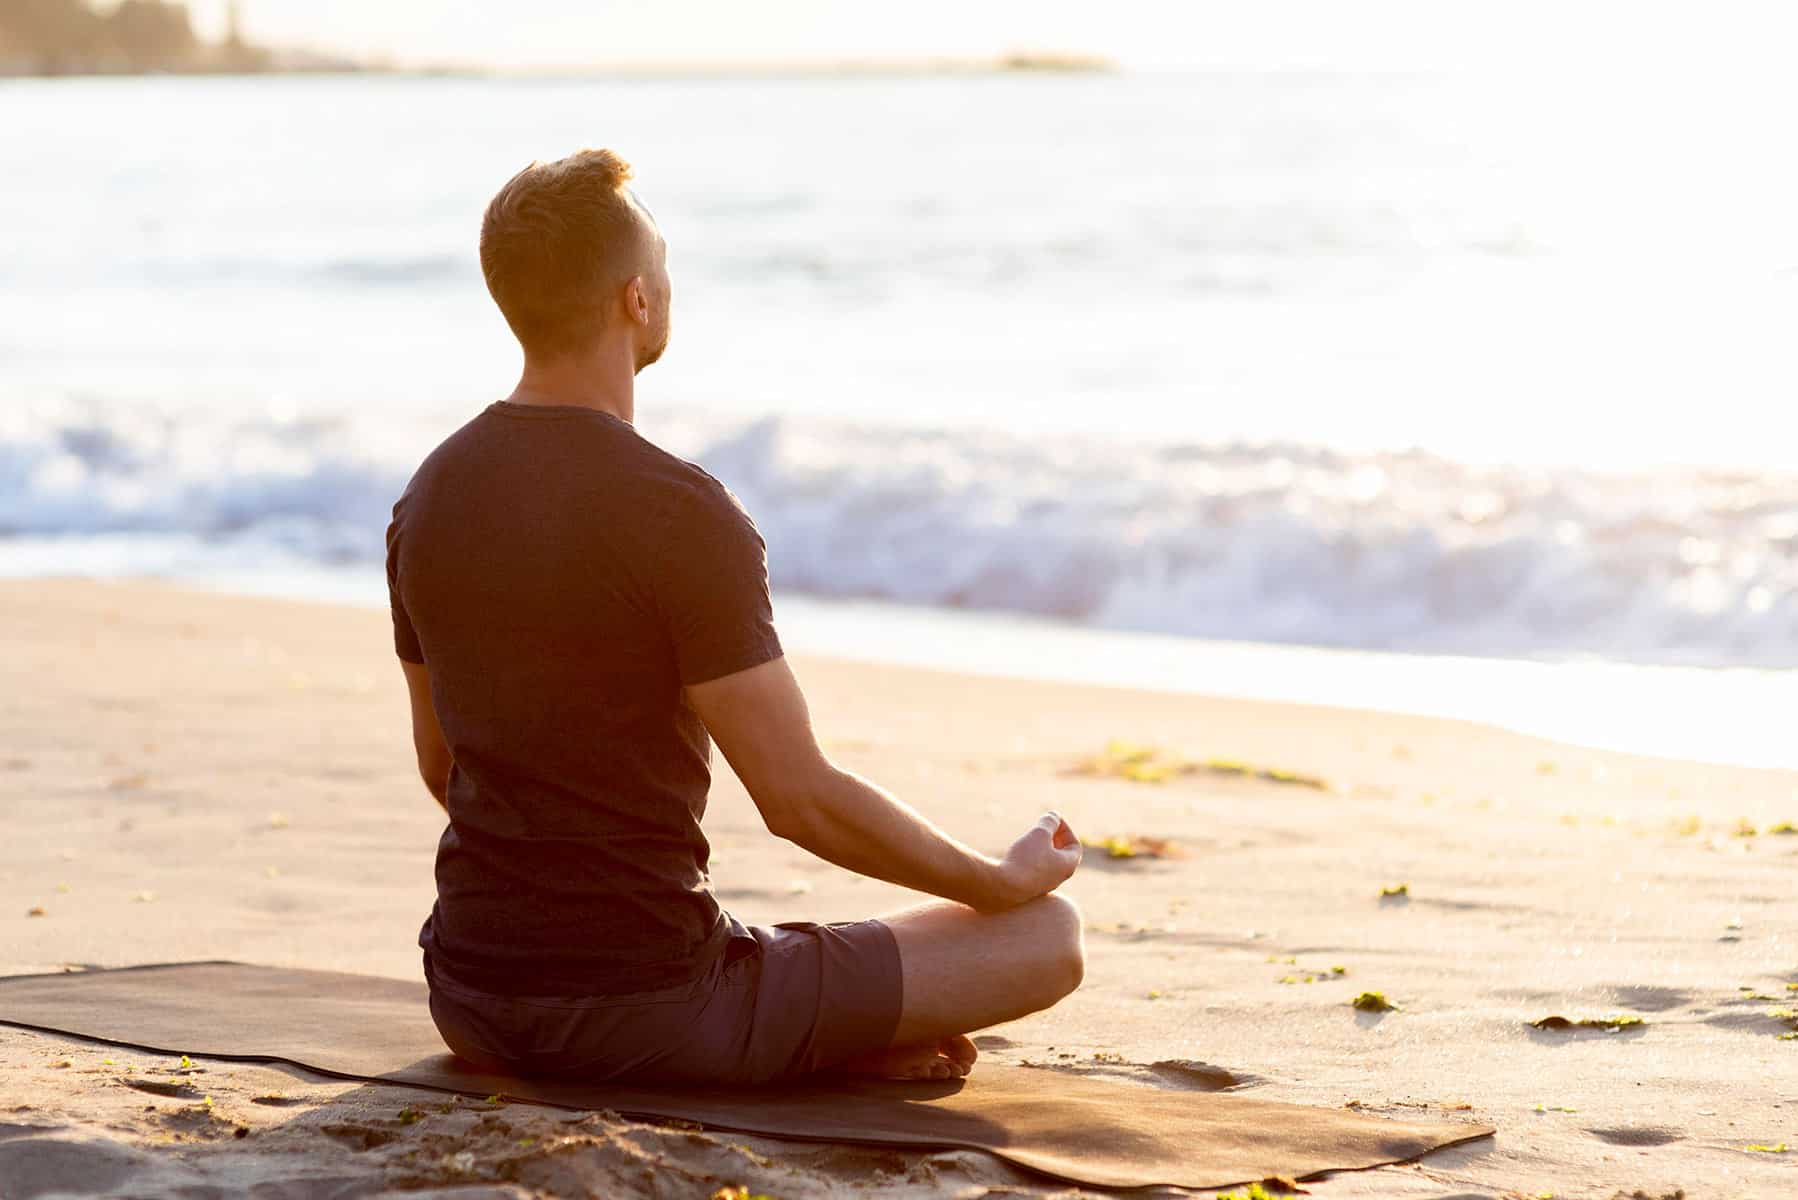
<point x="186" y="775"/>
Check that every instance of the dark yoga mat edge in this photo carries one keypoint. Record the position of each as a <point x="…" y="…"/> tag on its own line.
<point x="1473" y="1132"/>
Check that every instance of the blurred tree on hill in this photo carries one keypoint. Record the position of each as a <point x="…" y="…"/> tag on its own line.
<point x="54" y="37"/>
<point x="149" y="32"/>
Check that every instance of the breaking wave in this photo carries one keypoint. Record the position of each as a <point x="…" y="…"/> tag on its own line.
<point x="1279" y="543"/>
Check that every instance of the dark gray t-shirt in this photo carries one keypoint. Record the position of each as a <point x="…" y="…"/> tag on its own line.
<point x="563" y="578"/>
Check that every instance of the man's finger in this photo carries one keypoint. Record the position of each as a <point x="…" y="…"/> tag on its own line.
<point x="1071" y="850"/>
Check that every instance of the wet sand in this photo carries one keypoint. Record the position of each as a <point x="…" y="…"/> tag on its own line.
<point x="187" y="776"/>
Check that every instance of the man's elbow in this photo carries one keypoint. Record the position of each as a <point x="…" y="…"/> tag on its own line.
<point x="791" y="810"/>
<point x="784" y="820"/>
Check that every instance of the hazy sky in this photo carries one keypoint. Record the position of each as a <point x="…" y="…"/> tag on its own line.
<point x="1590" y="35"/>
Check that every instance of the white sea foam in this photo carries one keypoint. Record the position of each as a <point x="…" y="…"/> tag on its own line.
<point x="1279" y="543"/>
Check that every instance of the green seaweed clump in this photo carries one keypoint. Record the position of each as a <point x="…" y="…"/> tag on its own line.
<point x="1256" y="1192"/>
<point x="1134" y="846"/>
<point x="1309" y="974"/>
<point x="1148" y="764"/>
<point x="1611" y="1024"/>
<point x="1229" y="766"/>
<point x="1374" y="1002"/>
<point x="1396" y="890"/>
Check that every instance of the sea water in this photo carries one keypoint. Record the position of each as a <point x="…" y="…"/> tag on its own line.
<point x="1452" y="374"/>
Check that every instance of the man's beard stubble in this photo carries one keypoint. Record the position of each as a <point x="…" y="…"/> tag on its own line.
<point x="654" y="350"/>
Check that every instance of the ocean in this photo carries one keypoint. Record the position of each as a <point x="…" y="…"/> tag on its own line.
<point x="1366" y="377"/>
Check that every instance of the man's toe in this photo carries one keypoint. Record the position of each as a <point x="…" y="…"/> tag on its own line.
<point x="960" y="1050"/>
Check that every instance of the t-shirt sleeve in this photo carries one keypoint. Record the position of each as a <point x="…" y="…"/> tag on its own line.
<point x="405" y="638"/>
<point x="712" y="588"/>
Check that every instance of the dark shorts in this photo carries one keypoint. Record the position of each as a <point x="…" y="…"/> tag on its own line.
<point x="780" y="1001"/>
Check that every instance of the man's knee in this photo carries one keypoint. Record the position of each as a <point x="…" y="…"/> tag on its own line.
<point x="1064" y="945"/>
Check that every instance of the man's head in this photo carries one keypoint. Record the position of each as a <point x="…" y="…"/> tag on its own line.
<point x="572" y="259"/>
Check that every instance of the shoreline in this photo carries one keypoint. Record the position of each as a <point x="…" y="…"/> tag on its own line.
<point x="1621" y="706"/>
<point x="201" y="776"/>
<point x="289" y="62"/>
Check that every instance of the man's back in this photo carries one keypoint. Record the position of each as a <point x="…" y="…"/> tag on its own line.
<point x="563" y="579"/>
<point x="580" y="614"/>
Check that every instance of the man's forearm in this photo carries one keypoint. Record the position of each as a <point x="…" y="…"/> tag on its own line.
<point x="859" y="826"/>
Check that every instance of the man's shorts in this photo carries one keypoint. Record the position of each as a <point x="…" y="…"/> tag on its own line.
<point x="779" y="1001"/>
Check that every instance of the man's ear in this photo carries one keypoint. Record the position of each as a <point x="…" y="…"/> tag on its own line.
<point x="636" y="300"/>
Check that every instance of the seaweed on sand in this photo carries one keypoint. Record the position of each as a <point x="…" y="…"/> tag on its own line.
<point x="1134" y="846"/>
<point x="1374" y="1002"/>
<point x="1615" y="1023"/>
<point x="1150" y="764"/>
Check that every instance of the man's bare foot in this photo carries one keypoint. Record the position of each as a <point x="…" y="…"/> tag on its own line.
<point x="950" y="1058"/>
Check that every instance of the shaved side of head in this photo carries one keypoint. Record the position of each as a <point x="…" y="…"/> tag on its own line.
<point x="558" y="242"/>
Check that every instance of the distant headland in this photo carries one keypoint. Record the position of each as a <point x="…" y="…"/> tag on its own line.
<point x="156" y="37"/>
<point x="134" y="37"/>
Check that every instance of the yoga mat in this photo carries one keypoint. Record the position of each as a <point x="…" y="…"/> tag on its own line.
<point x="1087" y="1131"/>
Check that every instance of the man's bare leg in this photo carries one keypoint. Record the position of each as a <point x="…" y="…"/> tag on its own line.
<point x="965" y="970"/>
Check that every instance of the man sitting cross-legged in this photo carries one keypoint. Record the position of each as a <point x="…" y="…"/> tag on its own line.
<point x="576" y="611"/>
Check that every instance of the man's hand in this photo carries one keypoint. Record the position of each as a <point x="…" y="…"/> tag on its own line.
<point x="1040" y="861"/>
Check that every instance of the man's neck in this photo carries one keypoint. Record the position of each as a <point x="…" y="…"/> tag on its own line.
<point x="602" y="380"/>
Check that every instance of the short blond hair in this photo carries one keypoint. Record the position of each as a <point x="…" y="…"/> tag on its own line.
<point x="555" y="241"/>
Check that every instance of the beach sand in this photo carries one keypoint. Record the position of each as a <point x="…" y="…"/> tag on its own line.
<point x="186" y="775"/>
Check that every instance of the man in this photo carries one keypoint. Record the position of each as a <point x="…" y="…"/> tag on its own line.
<point x="576" y="610"/>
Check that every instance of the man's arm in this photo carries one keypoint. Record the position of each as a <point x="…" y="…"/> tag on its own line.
<point x="434" y="759"/>
<point x="760" y="721"/>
